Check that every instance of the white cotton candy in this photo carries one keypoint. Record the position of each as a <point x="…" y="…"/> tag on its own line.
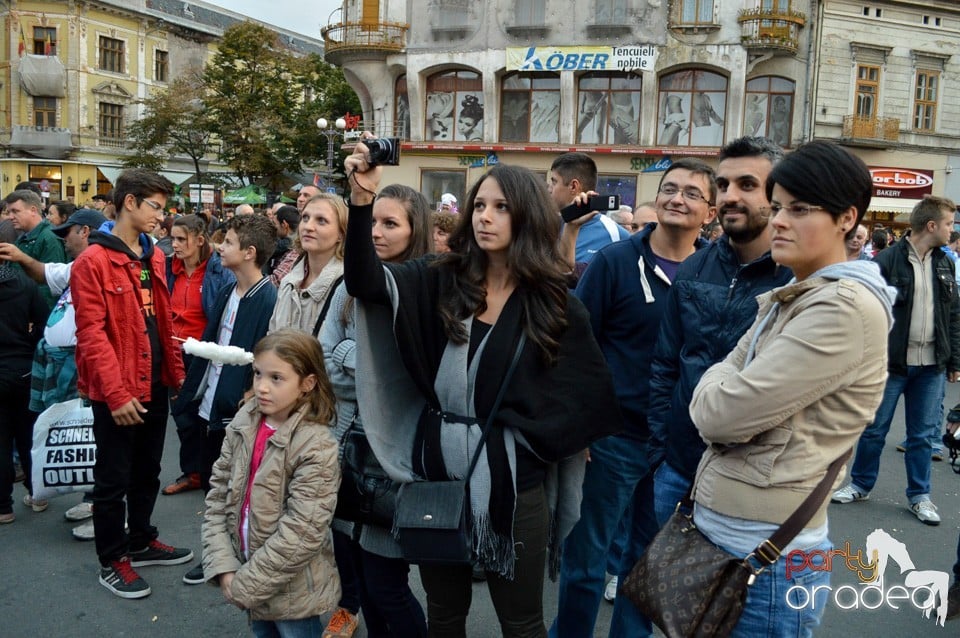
<point x="227" y="355"/>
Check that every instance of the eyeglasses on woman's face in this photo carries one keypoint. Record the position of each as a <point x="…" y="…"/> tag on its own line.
<point x="795" y="211"/>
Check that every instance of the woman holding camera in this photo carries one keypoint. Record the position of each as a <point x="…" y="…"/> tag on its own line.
<point x="435" y="337"/>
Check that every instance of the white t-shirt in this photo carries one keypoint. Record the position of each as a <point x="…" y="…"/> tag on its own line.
<point x="61" y="328"/>
<point x="223" y="338"/>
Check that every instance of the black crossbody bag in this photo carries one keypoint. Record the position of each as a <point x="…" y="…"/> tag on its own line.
<point x="433" y="517"/>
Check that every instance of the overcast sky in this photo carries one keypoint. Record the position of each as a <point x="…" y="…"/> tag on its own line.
<point x="302" y="16"/>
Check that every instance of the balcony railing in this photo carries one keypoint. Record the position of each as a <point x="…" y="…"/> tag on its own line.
<point x="856" y="127"/>
<point x="347" y="37"/>
<point x="768" y="29"/>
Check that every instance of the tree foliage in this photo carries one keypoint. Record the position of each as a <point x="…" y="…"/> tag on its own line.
<point x="173" y="124"/>
<point x="262" y="102"/>
<point x="255" y="103"/>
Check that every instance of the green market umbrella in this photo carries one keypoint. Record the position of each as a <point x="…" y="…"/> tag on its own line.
<point x="249" y="194"/>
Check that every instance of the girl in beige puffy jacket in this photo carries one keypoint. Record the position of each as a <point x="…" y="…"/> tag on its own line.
<point x="266" y="533"/>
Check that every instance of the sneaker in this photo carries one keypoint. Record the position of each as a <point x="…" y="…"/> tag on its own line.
<point x="156" y="553"/>
<point x="937" y="455"/>
<point x="186" y="483"/>
<point x="36" y="505"/>
<point x="926" y="511"/>
<point x="610" y="591"/>
<point x="79" y="512"/>
<point x="84" y="531"/>
<point x="6" y="519"/>
<point x="953" y="601"/>
<point x="901" y="447"/>
<point x="849" y="494"/>
<point x="195" y="576"/>
<point x="342" y="625"/>
<point x="121" y="579"/>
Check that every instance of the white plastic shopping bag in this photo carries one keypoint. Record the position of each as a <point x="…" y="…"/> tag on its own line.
<point x="64" y="450"/>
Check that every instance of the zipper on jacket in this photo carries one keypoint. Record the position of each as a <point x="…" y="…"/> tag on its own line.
<point x="733" y="283"/>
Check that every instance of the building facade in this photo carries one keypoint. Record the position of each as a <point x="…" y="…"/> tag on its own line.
<point x="632" y="82"/>
<point x="72" y="77"/>
<point x="885" y="85"/>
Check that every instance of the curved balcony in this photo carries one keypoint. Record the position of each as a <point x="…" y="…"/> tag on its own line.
<point x="768" y="30"/>
<point x="348" y="39"/>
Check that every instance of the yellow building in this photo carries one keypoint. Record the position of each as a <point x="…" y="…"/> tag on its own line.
<point x="73" y="74"/>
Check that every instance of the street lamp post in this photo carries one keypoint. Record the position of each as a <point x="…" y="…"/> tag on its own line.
<point x="331" y="134"/>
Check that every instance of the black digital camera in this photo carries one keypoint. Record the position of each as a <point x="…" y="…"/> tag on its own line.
<point x="384" y="151"/>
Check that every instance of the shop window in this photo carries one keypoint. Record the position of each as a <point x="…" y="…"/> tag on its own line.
<point x="530" y="108"/>
<point x="608" y="108"/>
<point x="454" y="109"/>
<point x="693" y="106"/>
<point x="433" y="184"/>
<point x="768" y="109"/>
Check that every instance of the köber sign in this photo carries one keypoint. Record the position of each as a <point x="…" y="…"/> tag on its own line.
<point x="901" y="183"/>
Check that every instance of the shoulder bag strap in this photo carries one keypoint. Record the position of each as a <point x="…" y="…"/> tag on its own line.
<point x="326" y="305"/>
<point x="768" y="552"/>
<point x="496" y="406"/>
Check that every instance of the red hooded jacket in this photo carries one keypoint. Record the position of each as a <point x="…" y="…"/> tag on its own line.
<point x="114" y="357"/>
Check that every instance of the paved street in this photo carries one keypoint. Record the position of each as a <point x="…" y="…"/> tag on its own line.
<point x="49" y="581"/>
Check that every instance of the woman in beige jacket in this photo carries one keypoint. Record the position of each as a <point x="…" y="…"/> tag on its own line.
<point x="798" y="389"/>
<point x="266" y="532"/>
<point x="304" y="291"/>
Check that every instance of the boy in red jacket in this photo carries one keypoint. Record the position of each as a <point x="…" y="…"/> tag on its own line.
<point x="126" y="361"/>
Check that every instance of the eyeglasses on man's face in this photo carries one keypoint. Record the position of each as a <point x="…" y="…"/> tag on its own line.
<point x="690" y="194"/>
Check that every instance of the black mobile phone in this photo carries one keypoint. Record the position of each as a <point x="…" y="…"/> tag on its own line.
<point x="596" y="202"/>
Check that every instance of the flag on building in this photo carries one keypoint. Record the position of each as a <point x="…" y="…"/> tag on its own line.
<point x="47" y="45"/>
<point x="23" y="43"/>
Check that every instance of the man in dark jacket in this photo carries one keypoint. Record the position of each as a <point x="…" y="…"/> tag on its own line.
<point x="625" y="289"/>
<point x="923" y="349"/>
<point x="712" y="303"/>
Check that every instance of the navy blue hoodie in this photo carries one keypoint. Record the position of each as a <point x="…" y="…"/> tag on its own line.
<point x="625" y="293"/>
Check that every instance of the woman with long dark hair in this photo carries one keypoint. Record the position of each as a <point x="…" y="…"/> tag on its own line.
<point x="435" y="337"/>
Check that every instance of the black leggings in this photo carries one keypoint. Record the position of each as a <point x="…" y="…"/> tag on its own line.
<point x="518" y="602"/>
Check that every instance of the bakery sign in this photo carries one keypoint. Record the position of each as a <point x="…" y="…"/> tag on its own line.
<point x="901" y="183"/>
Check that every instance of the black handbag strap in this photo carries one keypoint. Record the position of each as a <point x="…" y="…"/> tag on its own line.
<point x="496" y="406"/>
<point x="769" y="551"/>
<point x="326" y="305"/>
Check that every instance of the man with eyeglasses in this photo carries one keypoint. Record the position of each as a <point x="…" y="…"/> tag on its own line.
<point x="625" y="288"/>
<point x="711" y="305"/>
<point x="127" y="360"/>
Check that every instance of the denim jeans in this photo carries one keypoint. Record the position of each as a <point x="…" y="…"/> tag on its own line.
<point x="767" y="612"/>
<point x="618" y="477"/>
<point x="302" y="628"/>
<point x="128" y="466"/>
<point x="390" y="610"/>
<point x="922" y="388"/>
<point x="669" y="488"/>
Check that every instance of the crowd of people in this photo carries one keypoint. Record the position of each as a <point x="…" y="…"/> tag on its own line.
<point x="722" y="344"/>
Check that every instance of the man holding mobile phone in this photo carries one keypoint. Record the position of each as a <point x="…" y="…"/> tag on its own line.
<point x="570" y="175"/>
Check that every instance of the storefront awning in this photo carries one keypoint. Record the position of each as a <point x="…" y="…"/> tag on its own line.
<point x="178" y="177"/>
<point x="893" y="205"/>
<point x="111" y="172"/>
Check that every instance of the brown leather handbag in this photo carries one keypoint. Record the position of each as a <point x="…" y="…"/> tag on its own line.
<point x="691" y="588"/>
